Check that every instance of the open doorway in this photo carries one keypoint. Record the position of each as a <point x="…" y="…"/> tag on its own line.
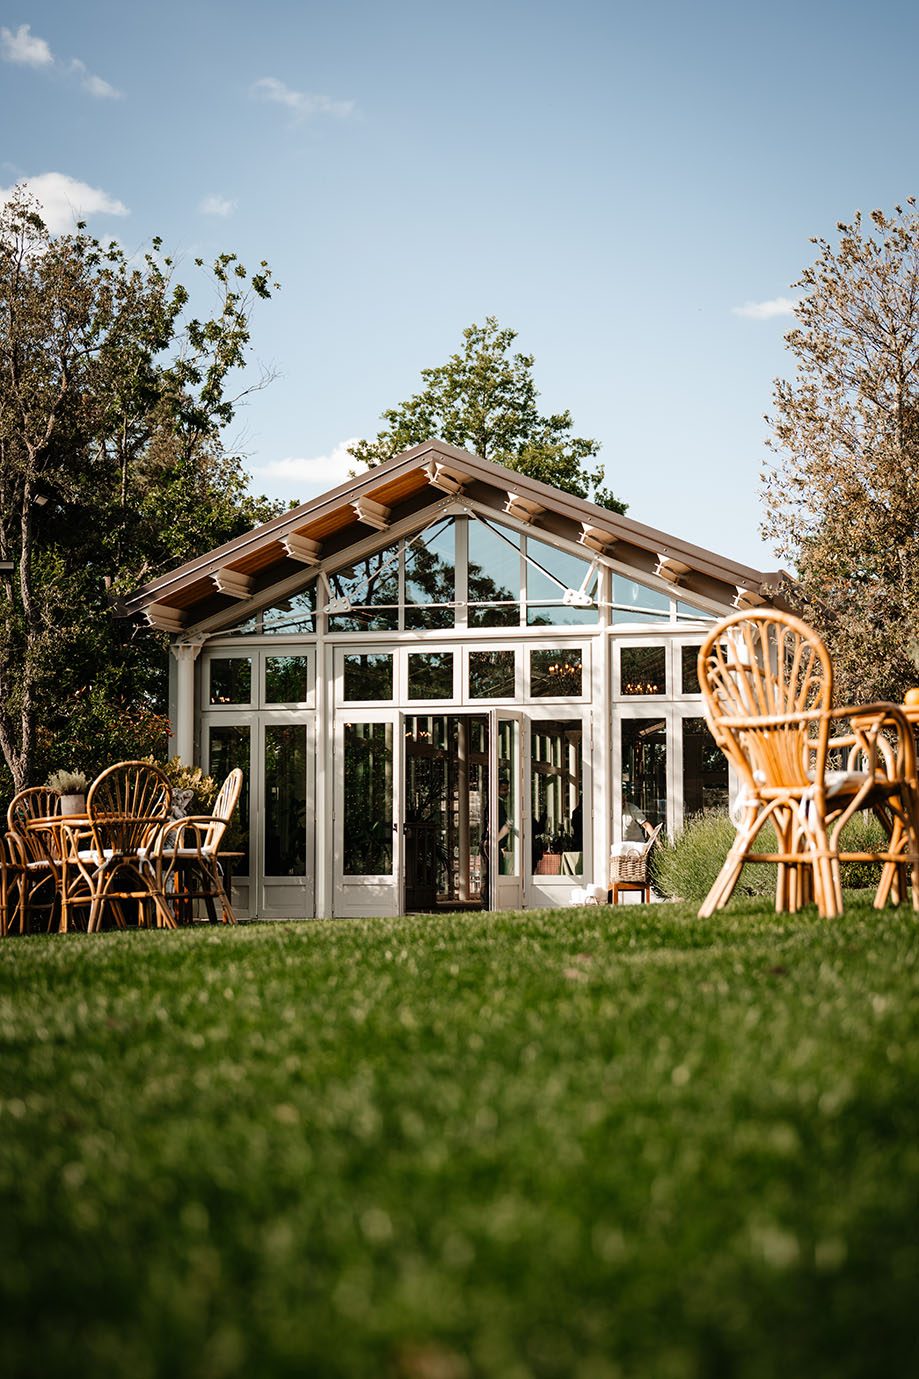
<point x="446" y="812"/>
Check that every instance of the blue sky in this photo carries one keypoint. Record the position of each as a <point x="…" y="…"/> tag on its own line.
<point x="614" y="181"/>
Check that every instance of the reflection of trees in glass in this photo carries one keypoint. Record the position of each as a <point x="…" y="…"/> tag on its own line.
<point x="690" y="662"/>
<point x="285" y="800"/>
<point x="705" y="769"/>
<point x="228" y="748"/>
<point x="368" y="799"/>
<point x="292" y="615"/>
<point x="285" y="679"/>
<point x="368" y="677"/>
<point x="430" y="675"/>
<point x="231" y="680"/>
<point x="491" y="674"/>
<point x="368" y="585"/>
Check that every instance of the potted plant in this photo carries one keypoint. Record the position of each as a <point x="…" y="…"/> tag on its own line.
<point x="71" y="786"/>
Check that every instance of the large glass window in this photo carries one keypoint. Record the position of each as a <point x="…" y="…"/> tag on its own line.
<point x="293" y="616"/>
<point x="430" y="675"/>
<point x="643" y="670"/>
<point x="556" y="798"/>
<point x="644" y="776"/>
<point x="705" y="769"/>
<point x="284" y="813"/>
<point x="230" y="680"/>
<point x="491" y="674"/>
<point x="556" y="674"/>
<point x="549" y="574"/>
<point x="368" y="799"/>
<point x="634" y="602"/>
<point x="368" y="678"/>
<point x="689" y="667"/>
<point x="494" y="577"/>
<point x="228" y="747"/>
<point x="430" y="578"/>
<point x="365" y="595"/>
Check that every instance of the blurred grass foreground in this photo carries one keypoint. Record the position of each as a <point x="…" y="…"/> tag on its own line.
<point x="595" y="1143"/>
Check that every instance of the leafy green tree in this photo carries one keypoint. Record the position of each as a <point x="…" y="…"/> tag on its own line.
<point x="111" y="469"/>
<point x="842" y="500"/>
<point x="484" y="399"/>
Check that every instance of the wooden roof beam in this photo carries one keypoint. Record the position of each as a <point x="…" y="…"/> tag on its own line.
<point x="302" y="548"/>
<point x="232" y="583"/>
<point x="165" y="618"/>
<point x="524" y="509"/>
<point x="447" y="480"/>
<point x="595" y="539"/>
<point x="669" y="569"/>
<point x="372" y="514"/>
<point x="747" y="598"/>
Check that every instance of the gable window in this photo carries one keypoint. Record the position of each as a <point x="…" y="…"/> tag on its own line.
<point x="430" y="577"/>
<point x="494" y="576"/>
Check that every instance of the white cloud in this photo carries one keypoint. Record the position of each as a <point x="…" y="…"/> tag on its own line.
<point x="65" y="200"/>
<point x="29" y="50"/>
<point x="96" y="86"/>
<point x="320" y="471"/>
<point x="302" y="104"/>
<point x="25" y="47"/>
<point x="765" y="311"/>
<point x="216" y="205"/>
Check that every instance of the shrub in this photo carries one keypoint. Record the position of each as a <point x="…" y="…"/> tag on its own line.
<point x="685" y="867"/>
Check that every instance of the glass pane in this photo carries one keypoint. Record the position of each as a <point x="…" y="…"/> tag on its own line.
<point x="494" y="575"/>
<point x="242" y="629"/>
<point x="284" y="813"/>
<point x="545" y="604"/>
<point x="371" y="587"/>
<point x="630" y="594"/>
<point x="555" y="752"/>
<point x="286" y="680"/>
<point x="555" y="673"/>
<point x="491" y="674"/>
<point x="368" y="816"/>
<point x="644" y="776"/>
<point x="643" y="670"/>
<point x="686" y="610"/>
<point x="689" y="657"/>
<point x="228" y="747"/>
<point x="508" y="836"/>
<point x="705" y="769"/>
<point x="293" y="616"/>
<point x="430" y="675"/>
<point x="430" y="562"/>
<point x="368" y="677"/>
<point x="231" y="680"/>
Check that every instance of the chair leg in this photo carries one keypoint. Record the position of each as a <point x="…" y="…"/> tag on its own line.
<point x="728" y="876"/>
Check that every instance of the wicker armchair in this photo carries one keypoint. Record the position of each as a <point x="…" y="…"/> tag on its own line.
<point x="32" y="866"/>
<point x="187" y="856"/>
<point x="767" y="682"/>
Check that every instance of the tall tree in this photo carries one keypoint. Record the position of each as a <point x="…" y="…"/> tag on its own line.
<point x="842" y="500"/>
<point x="111" y="467"/>
<point x="484" y="399"/>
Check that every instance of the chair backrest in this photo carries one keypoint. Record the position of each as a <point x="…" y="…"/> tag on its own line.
<point x="766" y="665"/>
<point x="37" y="802"/>
<point x="122" y="802"/>
<point x="222" y="811"/>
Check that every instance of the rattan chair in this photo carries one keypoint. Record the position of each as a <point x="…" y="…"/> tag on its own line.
<point x="628" y="867"/>
<point x="31" y="856"/>
<point x="187" y="856"/>
<point x="767" y="682"/>
<point x="109" y="859"/>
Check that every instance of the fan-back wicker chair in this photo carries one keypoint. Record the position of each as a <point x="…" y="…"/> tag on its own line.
<point x="767" y="682"/>
<point x="187" y="858"/>
<point x="31" y="854"/>
<point x="109" y="859"/>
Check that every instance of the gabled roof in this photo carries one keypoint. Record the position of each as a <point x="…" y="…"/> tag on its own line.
<point x="406" y="487"/>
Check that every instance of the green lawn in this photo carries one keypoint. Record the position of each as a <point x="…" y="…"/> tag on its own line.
<point x="596" y="1143"/>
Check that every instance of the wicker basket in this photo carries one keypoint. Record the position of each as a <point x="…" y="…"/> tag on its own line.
<point x="629" y="867"/>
